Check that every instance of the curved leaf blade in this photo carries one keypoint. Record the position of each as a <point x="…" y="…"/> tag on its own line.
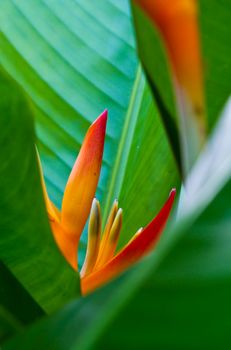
<point x="27" y="246"/>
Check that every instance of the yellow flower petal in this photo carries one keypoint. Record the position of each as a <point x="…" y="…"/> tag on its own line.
<point x="94" y="231"/>
<point x="111" y="243"/>
<point x="106" y="233"/>
<point x="139" y="246"/>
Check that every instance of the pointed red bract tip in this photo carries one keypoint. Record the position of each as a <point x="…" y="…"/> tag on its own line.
<point x="101" y="121"/>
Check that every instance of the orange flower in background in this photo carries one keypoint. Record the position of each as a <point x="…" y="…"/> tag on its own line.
<point x="177" y="21"/>
<point x="101" y="262"/>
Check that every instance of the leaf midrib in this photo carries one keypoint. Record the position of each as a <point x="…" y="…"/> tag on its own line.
<point x="118" y="172"/>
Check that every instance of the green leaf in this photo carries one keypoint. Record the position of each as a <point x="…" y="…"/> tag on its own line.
<point x="176" y="298"/>
<point x="27" y="247"/>
<point x="154" y="59"/>
<point x="83" y="61"/>
<point x="14" y="315"/>
<point x="145" y="169"/>
<point x="215" y="33"/>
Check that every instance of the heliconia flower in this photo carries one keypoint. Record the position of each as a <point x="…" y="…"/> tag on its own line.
<point x="177" y="22"/>
<point x="101" y="262"/>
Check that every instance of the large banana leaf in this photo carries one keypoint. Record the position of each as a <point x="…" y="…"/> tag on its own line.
<point x="74" y="59"/>
<point x="177" y="298"/>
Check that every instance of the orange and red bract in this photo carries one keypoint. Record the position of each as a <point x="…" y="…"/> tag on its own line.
<point x="82" y="183"/>
<point x="177" y="22"/>
<point x="68" y="244"/>
<point x="78" y="201"/>
<point x="79" y="193"/>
